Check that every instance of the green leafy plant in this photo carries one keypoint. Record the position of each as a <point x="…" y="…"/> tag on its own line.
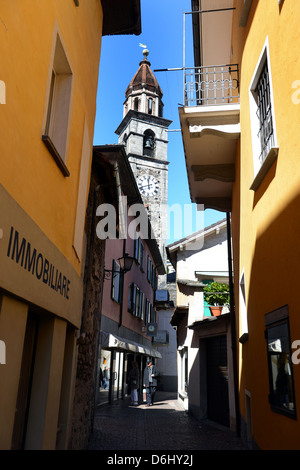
<point x="216" y="293"/>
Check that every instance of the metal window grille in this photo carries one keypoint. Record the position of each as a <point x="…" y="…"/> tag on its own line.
<point x="264" y="113"/>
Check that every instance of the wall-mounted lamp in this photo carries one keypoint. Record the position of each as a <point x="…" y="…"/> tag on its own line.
<point x="125" y="265"/>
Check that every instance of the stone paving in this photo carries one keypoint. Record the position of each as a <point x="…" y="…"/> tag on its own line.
<point x="165" y="426"/>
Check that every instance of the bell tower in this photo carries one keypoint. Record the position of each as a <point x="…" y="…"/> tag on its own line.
<point x="144" y="132"/>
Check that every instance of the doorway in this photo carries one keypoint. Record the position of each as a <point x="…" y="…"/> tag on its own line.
<point x="217" y="380"/>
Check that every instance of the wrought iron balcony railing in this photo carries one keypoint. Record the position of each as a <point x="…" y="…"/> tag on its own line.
<point x="210" y="85"/>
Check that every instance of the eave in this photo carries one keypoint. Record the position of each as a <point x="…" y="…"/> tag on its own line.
<point x="210" y="135"/>
<point x="121" y="17"/>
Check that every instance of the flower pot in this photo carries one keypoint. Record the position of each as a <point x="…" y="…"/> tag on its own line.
<point x="215" y="311"/>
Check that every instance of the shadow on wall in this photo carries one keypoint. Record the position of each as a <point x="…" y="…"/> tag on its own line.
<point x="272" y="284"/>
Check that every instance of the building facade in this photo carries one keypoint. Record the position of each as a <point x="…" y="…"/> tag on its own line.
<point x="252" y="133"/>
<point x="204" y="342"/>
<point x="128" y="315"/>
<point x="47" y="125"/>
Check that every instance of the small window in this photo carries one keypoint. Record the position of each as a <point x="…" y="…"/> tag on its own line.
<point x="150" y="106"/>
<point x="262" y="119"/>
<point x="136" y="104"/>
<point x="147" y="311"/>
<point x="58" y="107"/>
<point x="139" y="251"/>
<point x="141" y="306"/>
<point x="264" y="113"/>
<point x="116" y="282"/>
<point x="282" y="397"/>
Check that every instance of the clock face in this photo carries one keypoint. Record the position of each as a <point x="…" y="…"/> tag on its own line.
<point x="148" y="185"/>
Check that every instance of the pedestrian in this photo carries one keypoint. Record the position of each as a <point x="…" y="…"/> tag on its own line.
<point x="133" y="382"/>
<point x="106" y="377"/>
<point x="100" y="378"/>
<point x="151" y="374"/>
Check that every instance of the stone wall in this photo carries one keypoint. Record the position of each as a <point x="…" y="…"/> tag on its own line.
<point x="88" y="336"/>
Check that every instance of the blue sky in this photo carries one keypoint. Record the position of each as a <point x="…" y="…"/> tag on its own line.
<point x="162" y="32"/>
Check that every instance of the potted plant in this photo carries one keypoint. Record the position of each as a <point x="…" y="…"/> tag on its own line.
<point x="216" y="294"/>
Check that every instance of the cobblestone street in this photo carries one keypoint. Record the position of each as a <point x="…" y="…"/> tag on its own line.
<point x="165" y="426"/>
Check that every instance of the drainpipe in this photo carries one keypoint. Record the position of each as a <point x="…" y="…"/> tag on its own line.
<point x="233" y="327"/>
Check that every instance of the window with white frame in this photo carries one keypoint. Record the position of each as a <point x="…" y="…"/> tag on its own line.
<point x="116" y="282"/>
<point x="136" y="301"/>
<point x="58" y="105"/>
<point x="262" y="118"/>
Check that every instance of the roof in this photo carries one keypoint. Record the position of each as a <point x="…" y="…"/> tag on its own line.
<point x="121" y="17"/>
<point x="177" y="245"/>
<point x="144" y="79"/>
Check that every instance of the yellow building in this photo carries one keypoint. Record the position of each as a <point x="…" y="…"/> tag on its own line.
<point x="240" y="127"/>
<point x="50" y="53"/>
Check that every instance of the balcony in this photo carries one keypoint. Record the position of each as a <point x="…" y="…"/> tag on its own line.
<point x="216" y="84"/>
<point x="210" y="124"/>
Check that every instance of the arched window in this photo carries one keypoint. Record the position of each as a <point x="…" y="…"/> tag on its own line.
<point x="136" y="104"/>
<point x="149" y="143"/>
<point x="150" y="106"/>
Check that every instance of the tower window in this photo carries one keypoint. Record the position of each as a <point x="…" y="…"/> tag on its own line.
<point x="150" y="105"/>
<point x="136" y="104"/>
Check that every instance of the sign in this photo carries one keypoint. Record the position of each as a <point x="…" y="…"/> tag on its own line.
<point x="33" y="268"/>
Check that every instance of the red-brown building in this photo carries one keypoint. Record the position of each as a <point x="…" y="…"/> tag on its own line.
<point x="128" y="316"/>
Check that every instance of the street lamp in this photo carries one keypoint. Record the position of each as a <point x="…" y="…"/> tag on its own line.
<point x="125" y="263"/>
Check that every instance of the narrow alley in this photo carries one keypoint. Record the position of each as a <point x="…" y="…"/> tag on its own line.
<point x="163" y="427"/>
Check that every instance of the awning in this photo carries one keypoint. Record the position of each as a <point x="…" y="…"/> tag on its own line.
<point x="108" y="340"/>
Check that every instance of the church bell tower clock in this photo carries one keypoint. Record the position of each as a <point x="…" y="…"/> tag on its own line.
<point x="144" y="132"/>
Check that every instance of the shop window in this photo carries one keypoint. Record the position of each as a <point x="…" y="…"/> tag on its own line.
<point x="282" y="398"/>
<point x="58" y="107"/>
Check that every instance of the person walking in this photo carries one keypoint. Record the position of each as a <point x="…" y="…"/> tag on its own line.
<point x="150" y="381"/>
<point x="106" y="378"/>
<point x="133" y="382"/>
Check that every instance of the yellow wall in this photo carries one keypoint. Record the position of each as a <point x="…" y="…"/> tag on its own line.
<point x="28" y="171"/>
<point x="269" y="217"/>
<point x="41" y="203"/>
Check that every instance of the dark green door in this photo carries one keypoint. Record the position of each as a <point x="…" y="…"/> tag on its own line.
<point x="217" y="380"/>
